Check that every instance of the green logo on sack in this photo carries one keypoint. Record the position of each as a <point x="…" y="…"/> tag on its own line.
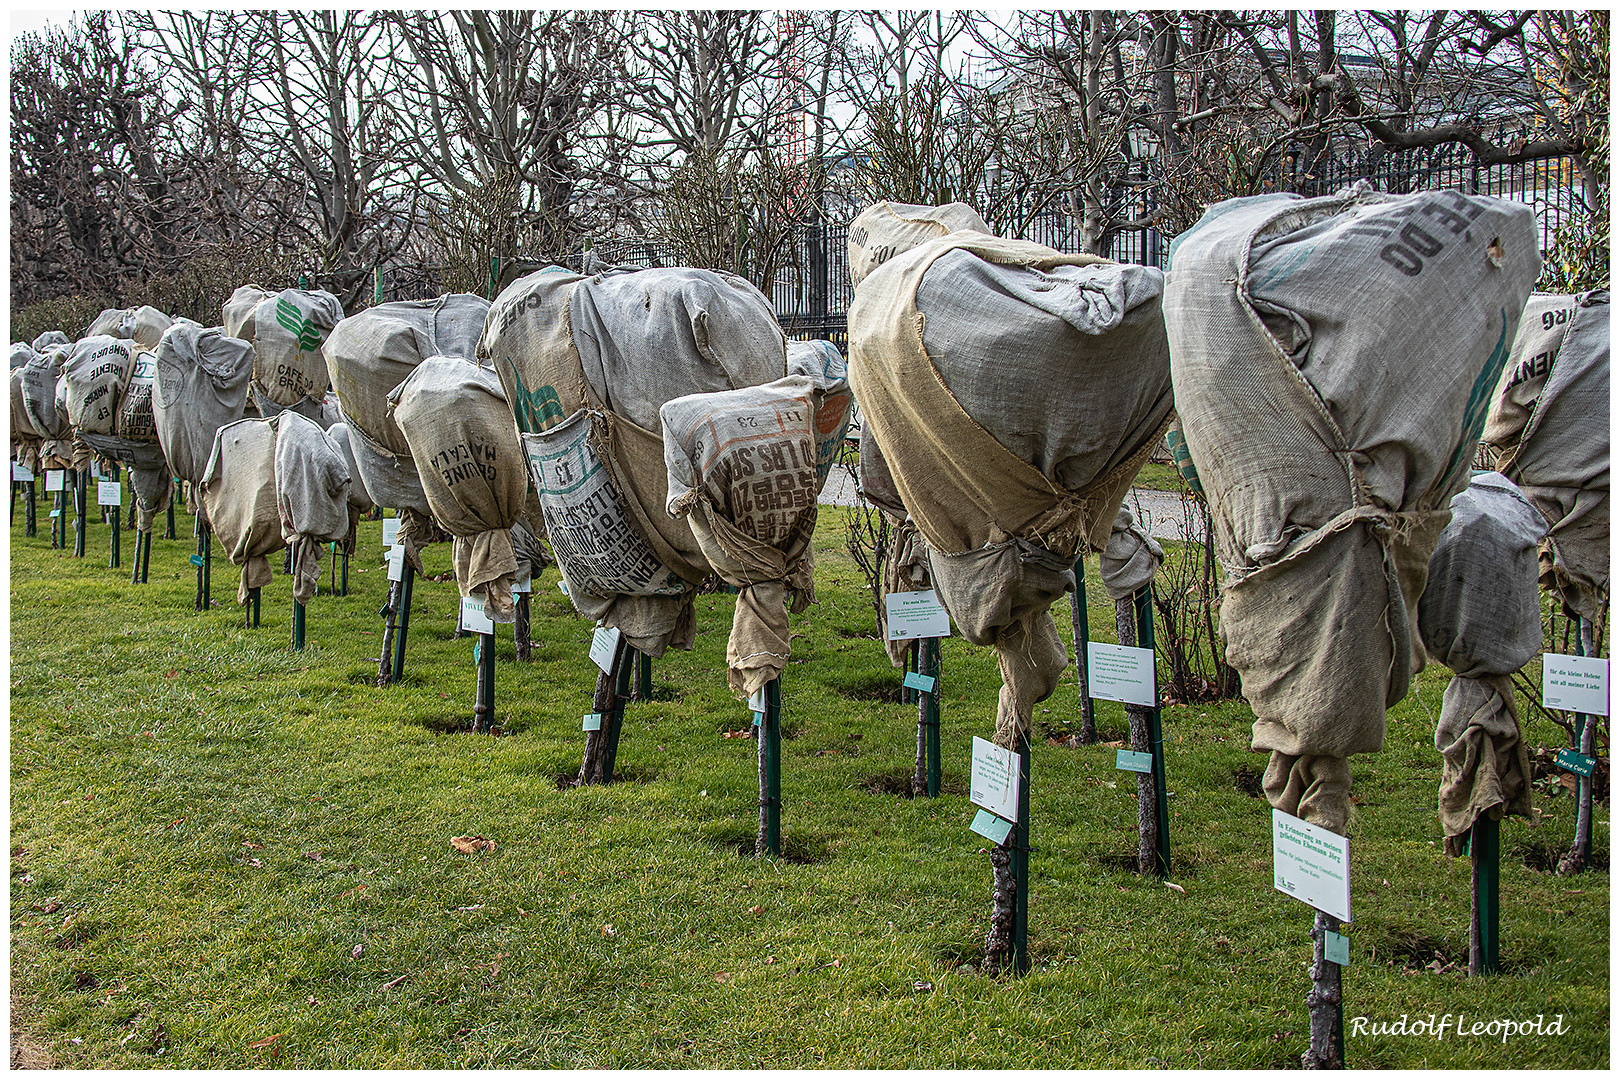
<point x="534" y="408"/>
<point x="1479" y="400"/>
<point x="292" y="320"/>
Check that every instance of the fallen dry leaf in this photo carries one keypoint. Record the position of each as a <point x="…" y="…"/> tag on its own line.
<point x="313" y="856"/>
<point x="1177" y="888"/>
<point x="770" y="959"/>
<point x="470" y="844"/>
<point x="723" y="977"/>
<point x="391" y="983"/>
<point x="47" y="906"/>
<point x="262" y="1043"/>
<point x="757" y="909"/>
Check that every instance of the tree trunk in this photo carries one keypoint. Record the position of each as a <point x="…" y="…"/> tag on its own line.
<point x="1327" y="1037"/>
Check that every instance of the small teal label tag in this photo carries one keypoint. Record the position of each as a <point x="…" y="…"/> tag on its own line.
<point x="1132" y="761"/>
<point x="914" y="681"/>
<point x="759" y="718"/>
<point x="56" y="513"/>
<point x="991" y="827"/>
<point x="1336" y="948"/>
<point x="593" y="721"/>
<point x="1575" y="763"/>
<point x="196" y="560"/>
<point x="478" y="652"/>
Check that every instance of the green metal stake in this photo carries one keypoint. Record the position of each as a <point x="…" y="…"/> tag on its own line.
<point x="59" y="517"/>
<point x="1485" y="850"/>
<point x="494" y="274"/>
<point x="1020" y="863"/>
<point x="928" y="708"/>
<point x="484" y="701"/>
<point x="643" y="676"/>
<point x="117" y="513"/>
<point x="135" y="563"/>
<point x="146" y="556"/>
<point x="30" y="522"/>
<point x="1144" y="636"/>
<point x="81" y="510"/>
<point x="376" y="284"/>
<point x="207" y="568"/>
<point x="252" y="609"/>
<point x="402" y="620"/>
<point x="298" y="625"/>
<point x="168" y="533"/>
<point x="343" y="581"/>
<point x="1082" y="637"/>
<point x="770" y="771"/>
<point x="613" y="722"/>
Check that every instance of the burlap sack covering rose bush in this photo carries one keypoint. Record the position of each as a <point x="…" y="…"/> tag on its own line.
<point x="586" y="364"/>
<point x="1480" y="616"/>
<point x="1334" y="359"/>
<point x="959" y="349"/>
<point x="236" y="314"/>
<point x="1549" y="431"/>
<point x="289" y="369"/>
<point x="134" y="441"/>
<point x="460" y="431"/>
<point x="368" y="354"/>
<point x="359" y="498"/>
<point x="744" y="464"/>
<point x="202" y="378"/>
<point x="886" y="229"/>
<point x="312" y="497"/>
<point x="48" y="339"/>
<point x="143" y="325"/>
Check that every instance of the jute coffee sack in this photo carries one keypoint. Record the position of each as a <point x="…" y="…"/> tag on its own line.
<point x="134" y="442"/>
<point x="237" y="312"/>
<point x="1014" y="392"/>
<point x="289" y="370"/>
<point x="886" y="229"/>
<point x="238" y="491"/>
<point x="373" y="351"/>
<point x="461" y="436"/>
<point x="42" y="414"/>
<point x="21" y="353"/>
<point x="742" y="464"/>
<point x="1480" y="616"/>
<point x="96" y="372"/>
<point x="359" y="498"/>
<point x="312" y="497"/>
<point x="528" y="539"/>
<point x="142" y="325"/>
<point x="905" y="564"/>
<point x="1334" y="360"/>
<point x="1129" y="559"/>
<point x="1552" y="439"/>
<point x="586" y="363"/>
<point x="49" y="338"/>
<point x="824" y="366"/>
<point x="202" y="378"/>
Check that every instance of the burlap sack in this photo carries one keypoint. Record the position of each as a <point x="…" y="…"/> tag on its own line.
<point x="1480" y="616"/>
<point x="742" y="464"/>
<point x="1129" y="559"/>
<point x="38" y="382"/>
<point x="238" y="491"/>
<point x="202" y="378"/>
<point x="528" y="539"/>
<point x="1329" y="456"/>
<point x="886" y="229"/>
<point x="1003" y="525"/>
<point x="373" y="351"/>
<point x="143" y="325"/>
<point x="586" y="363"/>
<point x="312" y="497"/>
<point x="49" y="338"/>
<point x="824" y="366"/>
<point x="134" y="442"/>
<point x="21" y="426"/>
<point x="359" y="498"/>
<point x="21" y="353"/>
<point x="461" y="435"/>
<point x="237" y="314"/>
<point x="96" y="372"/>
<point x="1555" y="443"/>
<point x="288" y="367"/>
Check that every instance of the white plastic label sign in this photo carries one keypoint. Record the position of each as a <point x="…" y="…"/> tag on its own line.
<point x="390" y="531"/>
<point x="915" y="615"/>
<point x="21" y="474"/>
<point x="396" y="564"/>
<point x="1576" y="683"/>
<point x="994" y="785"/>
<point x="95" y="470"/>
<point x="109" y="493"/>
<point x="603" y="642"/>
<point x="522" y="585"/>
<point x="55" y="479"/>
<point x="1311" y="864"/>
<point x="473" y="616"/>
<point x="1120" y="673"/>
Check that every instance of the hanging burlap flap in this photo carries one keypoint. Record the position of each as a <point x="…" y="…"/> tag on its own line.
<point x="238" y="491"/>
<point x="1329" y="457"/>
<point x="743" y="464"/>
<point x="1130" y="558"/>
<point x="312" y="497"/>
<point x="1002" y="533"/>
<point x="460" y="431"/>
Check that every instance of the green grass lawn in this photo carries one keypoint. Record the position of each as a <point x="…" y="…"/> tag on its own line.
<point x="227" y="854"/>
